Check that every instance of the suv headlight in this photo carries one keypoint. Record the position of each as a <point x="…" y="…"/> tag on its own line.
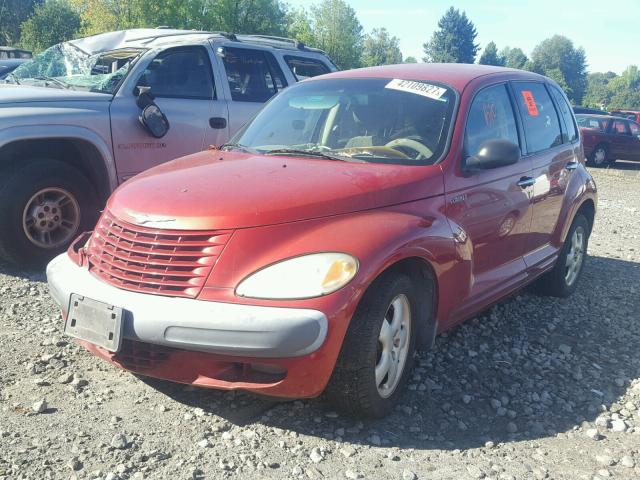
<point x="306" y="276"/>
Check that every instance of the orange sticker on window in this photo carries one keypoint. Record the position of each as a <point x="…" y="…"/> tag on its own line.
<point x="532" y="108"/>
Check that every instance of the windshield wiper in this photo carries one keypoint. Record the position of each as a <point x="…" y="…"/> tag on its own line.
<point x="307" y="153"/>
<point x="66" y="86"/>
<point x="236" y="146"/>
<point x="15" y="79"/>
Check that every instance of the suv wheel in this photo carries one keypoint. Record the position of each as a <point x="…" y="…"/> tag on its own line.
<point x="563" y="279"/>
<point x="44" y="205"/>
<point x="599" y="157"/>
<point x="377" y="352"/>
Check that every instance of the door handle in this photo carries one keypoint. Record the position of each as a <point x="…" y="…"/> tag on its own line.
<point x="218" y="123"/>
<point x="571" y="165"/>
<point x="525" y="182"/>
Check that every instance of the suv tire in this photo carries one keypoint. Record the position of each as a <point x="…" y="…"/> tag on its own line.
<point x="599" y="157"/>
<point x="44" y="205"/>
<point x="563" y="279"/>
<point x="354" y="387"/>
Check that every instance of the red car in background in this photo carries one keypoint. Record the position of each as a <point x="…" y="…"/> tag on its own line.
<point x="357" y="215"/>
<point x="630" y="114"/>
<point x="607" y="139"/>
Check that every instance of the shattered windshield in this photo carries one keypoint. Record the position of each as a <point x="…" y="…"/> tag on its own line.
<point x="67" y="66"/>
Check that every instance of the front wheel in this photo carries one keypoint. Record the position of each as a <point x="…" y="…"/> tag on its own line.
<point x="377" y="352"/>
<point x="563" y="279"/>
<point x="44" y="205"/>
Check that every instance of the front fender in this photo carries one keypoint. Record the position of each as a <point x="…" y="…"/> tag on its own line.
<point x="54" y="131"/>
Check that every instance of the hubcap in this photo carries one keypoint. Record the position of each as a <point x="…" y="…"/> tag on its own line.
<point x="51" y="218"/>
<point x="393" y="345"/>
<point x="575" y="256"/>
<point x="599" y="156"/>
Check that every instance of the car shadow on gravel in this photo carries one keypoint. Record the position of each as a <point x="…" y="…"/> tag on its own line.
<point x="528" y="368"/>
<point x="27" y="273"/>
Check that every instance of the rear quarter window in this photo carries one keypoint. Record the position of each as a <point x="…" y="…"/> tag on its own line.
<point x="302" y="67"/>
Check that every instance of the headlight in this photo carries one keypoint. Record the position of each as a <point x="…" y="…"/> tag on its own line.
<point x="307" y="276"/>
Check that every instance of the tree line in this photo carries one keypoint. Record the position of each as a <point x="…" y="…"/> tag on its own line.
<point x="331" y="25"/>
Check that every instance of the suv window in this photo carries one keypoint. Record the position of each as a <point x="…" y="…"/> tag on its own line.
<point x="253" y="75"/>
<point x="620" y="127"/>
<point x="571" y="132"/>
<point x="305" y="67"/>
<point x="540" y="119"/>
<point x="183" y="72"/>
<point x="490" y="117"/>
<point x="635" y="128"/>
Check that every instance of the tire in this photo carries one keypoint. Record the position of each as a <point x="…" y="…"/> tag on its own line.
<point x="599" y="158"/>
<point x="558" y="282"/>
<point x="353" y="387"/>
<point x="30" y="197"/>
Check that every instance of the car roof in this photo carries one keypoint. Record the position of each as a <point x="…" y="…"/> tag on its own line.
<point x="155" y="37"/>
<point x="596" y="115"/>
<point x="457" y="75"/>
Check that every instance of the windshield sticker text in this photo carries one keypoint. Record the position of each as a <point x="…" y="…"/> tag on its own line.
<point x="419" y="88"/>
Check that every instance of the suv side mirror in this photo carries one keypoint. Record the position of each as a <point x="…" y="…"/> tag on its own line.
<point x="151" y="117"/>
<point x="493" y="154"/>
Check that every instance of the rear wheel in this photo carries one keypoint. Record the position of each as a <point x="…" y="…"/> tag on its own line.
<point x="563" y="279"/>
<point x="377" y="352"/>
<point x="599" y="157"/>
<point x="44" y="205"/>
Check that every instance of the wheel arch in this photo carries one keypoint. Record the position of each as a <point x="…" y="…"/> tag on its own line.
<point x="588" y="209"/>
<point x="84" y="150"/>
<point x="421" y="271"/>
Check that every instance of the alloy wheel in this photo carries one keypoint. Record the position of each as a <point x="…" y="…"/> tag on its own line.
<point x="393" y="345"/>
<point x="575" y="256"/>
<point x="51" y="218"/>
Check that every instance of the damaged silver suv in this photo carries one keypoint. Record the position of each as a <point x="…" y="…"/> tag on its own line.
<point x="85" y="115"/>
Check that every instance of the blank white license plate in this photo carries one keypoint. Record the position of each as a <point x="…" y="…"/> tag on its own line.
<point x="96" y="322"/>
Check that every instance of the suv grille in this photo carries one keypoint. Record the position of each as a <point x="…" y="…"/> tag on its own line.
<point x="163" y="262"/>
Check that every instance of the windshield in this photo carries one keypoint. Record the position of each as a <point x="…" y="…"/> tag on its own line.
<point x="367" y="120"/>
<point x="67" y="66"/>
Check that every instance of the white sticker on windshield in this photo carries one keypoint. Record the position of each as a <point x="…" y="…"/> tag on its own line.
<point x="419" y="88"/>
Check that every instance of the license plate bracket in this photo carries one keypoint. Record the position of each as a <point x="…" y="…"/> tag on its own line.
<point x="94" y="321"/>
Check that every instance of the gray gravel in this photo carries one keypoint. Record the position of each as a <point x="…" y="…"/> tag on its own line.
<point x="533" y="388"/>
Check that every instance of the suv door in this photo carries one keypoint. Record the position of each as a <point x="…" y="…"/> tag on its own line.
<point x="621" y="139"/>
<point x="253" y="76"/>
<point x="491" y="206"/>
<point x="554" y="153"/>
<point x="634" y="153"/>
<point x="182" y="82"/>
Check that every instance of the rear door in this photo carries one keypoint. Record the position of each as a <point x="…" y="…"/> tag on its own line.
<point x="252" y="77"/>
<point x="621" y="141"/>
<point x="492" y="206"/>
<point x="634" y="153"/>
<point x="182" y="82"/>
<point x="554" y="152"/>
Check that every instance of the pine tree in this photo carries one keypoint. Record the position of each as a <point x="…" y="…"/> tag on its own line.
<point x="490" y="56"/>
<point x="453" y="42"/>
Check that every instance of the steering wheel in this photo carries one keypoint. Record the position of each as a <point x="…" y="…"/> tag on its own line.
<point x="421" y="149"/>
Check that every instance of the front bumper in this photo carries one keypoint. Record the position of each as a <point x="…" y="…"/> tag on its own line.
<point x="194" y="325"/>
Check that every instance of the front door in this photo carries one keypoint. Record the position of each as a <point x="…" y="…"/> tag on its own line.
<point x="634" y="154"/>
<point x="491" y="207"/>
<point x="182" y="82"/>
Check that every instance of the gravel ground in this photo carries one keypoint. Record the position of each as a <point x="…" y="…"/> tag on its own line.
<point x="533" y="388"/>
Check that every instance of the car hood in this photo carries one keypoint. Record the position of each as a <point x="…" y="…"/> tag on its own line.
<point x="12" y="94"/>
<point x="223" y="190"/>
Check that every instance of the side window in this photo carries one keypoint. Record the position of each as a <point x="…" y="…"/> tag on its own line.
<point x="183" y="72"/>
<point x="635" y="128"/>
<point x="252" y="75"/>
<point x="490" y="117"/>
<point x="305" y="67"/>
<point x="571" y="132"/>
<point x="540" y="120"/>
<point x="620" y="127"/>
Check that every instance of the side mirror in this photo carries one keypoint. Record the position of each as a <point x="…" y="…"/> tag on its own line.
<point x="154" y="120"/>
<point x="151" y="117"/>
<point x="493" y="154"/>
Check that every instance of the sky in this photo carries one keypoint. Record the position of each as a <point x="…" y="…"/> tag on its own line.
<point x="608" y="31"/>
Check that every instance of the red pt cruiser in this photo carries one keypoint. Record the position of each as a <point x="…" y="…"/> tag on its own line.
<point x="359" y="214"/>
